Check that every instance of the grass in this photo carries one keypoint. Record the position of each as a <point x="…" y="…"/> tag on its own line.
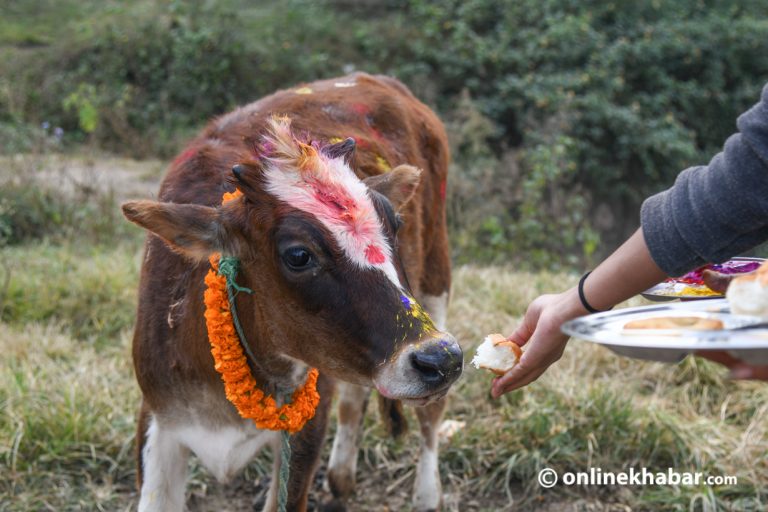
<point x="69" y="398"/>
<point x="67" y="425"/>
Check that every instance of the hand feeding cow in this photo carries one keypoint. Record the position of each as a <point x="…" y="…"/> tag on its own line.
<point x="319" y="237"/>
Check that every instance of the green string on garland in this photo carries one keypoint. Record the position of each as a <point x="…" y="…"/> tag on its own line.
<point x="228" y="267"/>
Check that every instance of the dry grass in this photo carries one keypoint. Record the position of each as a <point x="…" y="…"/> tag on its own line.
<point x="68" y="401"/>
<point x="68" y="404"/>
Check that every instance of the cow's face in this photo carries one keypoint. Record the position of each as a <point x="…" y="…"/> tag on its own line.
<point x="318" y="247"/>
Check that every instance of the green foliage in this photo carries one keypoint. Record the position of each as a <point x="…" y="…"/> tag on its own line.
<point x="91" y="290"/>
<point x="641" y="89"/>
<point x="633" y="92"/>
<point x="37" y="203"/>
<point x="83" y="101"/>
<point x="145" y="80"/>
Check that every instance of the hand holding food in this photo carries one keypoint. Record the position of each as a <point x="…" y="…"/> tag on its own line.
<point x="497" y="354"/>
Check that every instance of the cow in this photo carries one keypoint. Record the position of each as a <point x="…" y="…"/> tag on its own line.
<point x="339" y="226"/>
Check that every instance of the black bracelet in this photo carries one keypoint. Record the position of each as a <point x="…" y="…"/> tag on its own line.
<point x="583" y="299"/>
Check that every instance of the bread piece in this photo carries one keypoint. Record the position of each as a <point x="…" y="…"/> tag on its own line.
<point x="748" y="295"/>
<point x="497" y="354"/>
<point x="676" y="322"/>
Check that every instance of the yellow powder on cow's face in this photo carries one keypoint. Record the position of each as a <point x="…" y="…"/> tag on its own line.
<point x="382" y="164"/>
<point x="414" y="311"/>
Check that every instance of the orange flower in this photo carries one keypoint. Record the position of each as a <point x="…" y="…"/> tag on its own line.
<point x="240" y="387"/>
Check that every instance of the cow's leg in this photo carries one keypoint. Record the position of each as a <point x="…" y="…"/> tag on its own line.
<point x="437" y="307"/>
<point x="427" y="490"/>
<point x="163" y="471"/>
<point x="343" y="462"/>
<point x="306" y="446"/>
<point x="270" y="504"/>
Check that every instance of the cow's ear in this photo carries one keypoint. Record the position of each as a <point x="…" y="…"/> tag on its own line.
<point x="398" y="185"/>
<point x="194" y="230"/>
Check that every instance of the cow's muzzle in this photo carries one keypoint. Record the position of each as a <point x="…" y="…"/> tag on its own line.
<point x="422" y="371"/>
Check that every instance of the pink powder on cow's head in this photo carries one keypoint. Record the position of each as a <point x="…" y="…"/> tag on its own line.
<point x="301" y="175"/>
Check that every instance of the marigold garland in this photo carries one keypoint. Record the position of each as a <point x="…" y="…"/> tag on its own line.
<point x="240" y="386"/>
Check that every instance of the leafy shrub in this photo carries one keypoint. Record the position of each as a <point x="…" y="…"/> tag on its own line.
<point x="618" y="96"/>
<point x="643" y="89"/>
<point x="56" y="206"/>
<point x="142" y="83"/>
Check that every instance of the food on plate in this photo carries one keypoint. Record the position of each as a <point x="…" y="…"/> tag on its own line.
<point x="698" y="291"/>
<point x="734" y="266"/>
<point x="709" y="281"/>
<point x="497" y="354"/>
<point x="717" y="281"/>
<point x="748" y="295"/>
<point x="676" y="322"/>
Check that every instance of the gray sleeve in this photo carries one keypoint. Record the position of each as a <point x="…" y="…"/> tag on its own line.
<point x="716" y="211"/>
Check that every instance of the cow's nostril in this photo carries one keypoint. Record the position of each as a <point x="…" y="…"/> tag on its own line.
<point x="428" y="365"/>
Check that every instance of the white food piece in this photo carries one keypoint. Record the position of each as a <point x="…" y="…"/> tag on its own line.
<point x="497" y="354"/>
<point x="748" y="295"/>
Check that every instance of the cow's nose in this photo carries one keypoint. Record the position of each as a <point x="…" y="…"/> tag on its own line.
<point x="438" y="361"/>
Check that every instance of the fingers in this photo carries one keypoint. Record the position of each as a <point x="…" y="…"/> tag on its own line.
<point x="719" y="356"/>
<point x="739" y="369"/>
<point x="534" y="362"/>
<point x="511" y="381"/>
<point x="526" y="328"/>
<point x="749" y="372"/>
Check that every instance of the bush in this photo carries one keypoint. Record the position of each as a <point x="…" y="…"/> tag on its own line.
<point x="143" y="83"/>
<point x="39" y="202"/>
<point x="642" y="90"/>
<point x="617" y="96"/>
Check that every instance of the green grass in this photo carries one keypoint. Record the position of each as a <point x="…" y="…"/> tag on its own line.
<point x="68" y="409"/>
<point x="89" y="291"/>
<point x="68" y="400"/>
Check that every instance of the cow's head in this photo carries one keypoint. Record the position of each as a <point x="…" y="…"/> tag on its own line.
<point x="318" y="247"/>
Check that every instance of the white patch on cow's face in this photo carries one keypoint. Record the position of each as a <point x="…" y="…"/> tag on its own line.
<point x="327" y="189"/>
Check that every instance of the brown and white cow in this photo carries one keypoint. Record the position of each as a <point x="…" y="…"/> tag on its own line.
<point x="336" y="227"/>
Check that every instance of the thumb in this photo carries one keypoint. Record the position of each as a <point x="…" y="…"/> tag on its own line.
<point x="745" y="371"/>
<point x="525" y="329"/>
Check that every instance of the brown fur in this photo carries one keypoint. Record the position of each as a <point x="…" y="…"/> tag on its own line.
<point x="171" y="354"/>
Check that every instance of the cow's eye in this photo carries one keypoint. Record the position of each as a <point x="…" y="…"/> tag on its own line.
<point x="298" y="258"/>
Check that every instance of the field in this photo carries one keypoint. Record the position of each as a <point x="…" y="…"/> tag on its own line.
<point x="68" y="397"/>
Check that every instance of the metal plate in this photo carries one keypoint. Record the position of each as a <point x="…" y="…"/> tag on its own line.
<point x="672" y="288"/>
<point x="672" y="345"/>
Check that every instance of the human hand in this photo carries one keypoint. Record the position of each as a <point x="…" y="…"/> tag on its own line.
<point x="540" y="329"/>
<point x="739" y="369"/>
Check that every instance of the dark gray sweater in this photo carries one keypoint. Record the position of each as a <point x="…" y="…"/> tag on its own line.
<point x="716" y="211"/>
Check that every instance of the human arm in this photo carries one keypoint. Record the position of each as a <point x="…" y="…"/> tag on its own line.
<point x="712" y="212"/>
<point x="624" y="274"/>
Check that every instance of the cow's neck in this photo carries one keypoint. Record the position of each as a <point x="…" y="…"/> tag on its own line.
<point x="276" y="373"/>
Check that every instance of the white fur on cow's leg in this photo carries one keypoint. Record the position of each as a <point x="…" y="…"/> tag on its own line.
<point x="427" y="491"/>
<point x="165" y="471"/>
<point x="270" y="504"/>
<point x="343" y="462"/>
<point x="437" y="307"/>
